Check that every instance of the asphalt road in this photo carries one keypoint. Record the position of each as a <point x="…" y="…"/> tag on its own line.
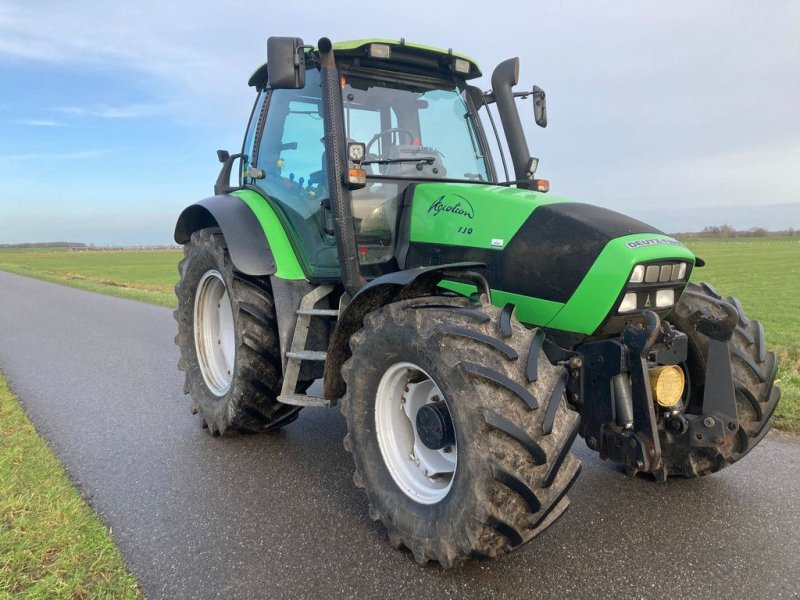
<point x="277" y="516"/>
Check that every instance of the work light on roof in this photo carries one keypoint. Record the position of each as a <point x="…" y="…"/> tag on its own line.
<point x="461" y="66"/>
<point x="380" y="51"/>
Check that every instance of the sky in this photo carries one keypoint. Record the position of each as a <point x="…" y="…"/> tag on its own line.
<point x="680" y="113"/>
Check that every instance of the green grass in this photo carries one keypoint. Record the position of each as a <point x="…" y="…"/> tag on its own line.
<point x="52" y="545"/>
<point x="764" y="273"/>
<point x="143" y="275"/>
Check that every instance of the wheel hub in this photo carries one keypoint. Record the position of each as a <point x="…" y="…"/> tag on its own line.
<point x="435" y="426"/>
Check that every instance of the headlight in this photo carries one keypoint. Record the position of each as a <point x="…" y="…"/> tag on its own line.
<point x="653" y="286"/>
<point x="665" y="298"/>
<point x="628" y="303"/>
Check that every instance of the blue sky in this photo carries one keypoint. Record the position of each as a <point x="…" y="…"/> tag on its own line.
<point x="110" y="113"/>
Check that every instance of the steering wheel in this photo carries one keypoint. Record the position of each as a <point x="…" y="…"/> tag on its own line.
<point x="385" y="132"/>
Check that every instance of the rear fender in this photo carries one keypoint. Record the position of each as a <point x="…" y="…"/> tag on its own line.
<point x="244" y="235"/>
<point x="393" y="287"/>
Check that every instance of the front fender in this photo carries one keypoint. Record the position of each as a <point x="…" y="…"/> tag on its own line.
<point x="393" y="287"/>
<point x="244" y="235"/>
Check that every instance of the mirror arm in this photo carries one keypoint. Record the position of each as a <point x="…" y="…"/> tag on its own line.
<point x="223" y="184"/>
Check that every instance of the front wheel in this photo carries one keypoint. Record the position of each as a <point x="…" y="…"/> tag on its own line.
<point x="458" y="428"/>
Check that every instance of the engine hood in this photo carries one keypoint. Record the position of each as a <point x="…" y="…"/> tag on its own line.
<point x="543" y="253"/>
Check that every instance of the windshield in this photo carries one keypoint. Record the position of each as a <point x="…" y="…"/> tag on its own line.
<point x="413" y="130"/>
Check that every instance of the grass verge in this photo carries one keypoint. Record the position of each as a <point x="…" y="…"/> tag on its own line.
<point x="52" y="545"/>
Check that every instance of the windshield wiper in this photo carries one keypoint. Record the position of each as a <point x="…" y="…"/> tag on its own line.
<point x="423" y="160"/>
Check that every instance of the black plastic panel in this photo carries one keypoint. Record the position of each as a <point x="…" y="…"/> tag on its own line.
<point x="548" y="257"/>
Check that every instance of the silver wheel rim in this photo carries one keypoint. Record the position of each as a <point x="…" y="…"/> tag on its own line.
<point x="423" y="474"/>
<point x="214" y="337"/>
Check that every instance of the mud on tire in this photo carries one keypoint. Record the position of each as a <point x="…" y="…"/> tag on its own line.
<point x="754" y="369"/>
<point x="513" y="429"/>
<point x="249" y="402"/>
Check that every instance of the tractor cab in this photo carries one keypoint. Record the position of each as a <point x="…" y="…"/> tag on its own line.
<point x="408" y="117"/>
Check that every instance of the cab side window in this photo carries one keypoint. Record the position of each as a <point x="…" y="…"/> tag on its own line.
<point x="291" y="154"/>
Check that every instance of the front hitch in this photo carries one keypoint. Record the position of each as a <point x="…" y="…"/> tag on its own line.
<point x="618" y="416"/>
<point x="616" y="399"/>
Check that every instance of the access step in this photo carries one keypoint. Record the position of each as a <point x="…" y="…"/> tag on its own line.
<point x="304" y="400"/>
<point x="318" y="312"/>
<point x="307" y="355"/>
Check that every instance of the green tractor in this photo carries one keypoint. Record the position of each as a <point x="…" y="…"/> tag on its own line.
<point x="469" y="326"/>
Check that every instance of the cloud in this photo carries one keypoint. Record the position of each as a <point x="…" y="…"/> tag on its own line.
<point x="40" y="123"/>
<point x="47" y="156"/>
<point x="131" y="111"/>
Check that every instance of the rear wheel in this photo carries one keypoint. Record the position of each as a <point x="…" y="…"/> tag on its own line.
<point x="754" y="369"/>
<point x="228" y="340"/>
<point x="458" y="428"/>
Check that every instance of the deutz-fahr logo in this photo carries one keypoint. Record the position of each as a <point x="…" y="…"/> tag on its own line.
<point x="453" y="204"/>
<point x="653" y="242"/>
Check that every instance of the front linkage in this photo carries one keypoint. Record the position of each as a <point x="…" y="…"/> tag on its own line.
<point x="622" y="416"/>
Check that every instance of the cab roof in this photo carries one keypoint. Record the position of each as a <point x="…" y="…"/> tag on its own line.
<point x="402" y="52"/>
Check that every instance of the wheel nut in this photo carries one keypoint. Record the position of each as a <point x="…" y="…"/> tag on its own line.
<point x="709" y="422"/>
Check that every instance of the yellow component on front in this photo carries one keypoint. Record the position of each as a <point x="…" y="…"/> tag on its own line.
<point x="667" y="383"/>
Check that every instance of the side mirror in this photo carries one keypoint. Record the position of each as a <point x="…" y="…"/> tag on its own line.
<point x="286" y="63"/>
<point x="476" y="95"/>
<point x="539" y="106"/>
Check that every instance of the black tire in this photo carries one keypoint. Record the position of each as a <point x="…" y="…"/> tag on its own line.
<point x="754" y="369"/>
<point x="512" y="426"/>
<point x="249" y="403"/>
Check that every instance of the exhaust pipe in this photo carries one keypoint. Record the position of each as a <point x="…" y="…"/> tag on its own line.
<point x="504" y="77"/>
<point x="335" y="160"/>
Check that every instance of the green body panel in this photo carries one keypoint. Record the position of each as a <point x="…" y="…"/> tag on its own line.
<point x="595" y="296"/>
<point x="440" y="213"/>
<point x="285" y="257"/>
<point x="498" y="213"/>
<point x="533" y="311"/>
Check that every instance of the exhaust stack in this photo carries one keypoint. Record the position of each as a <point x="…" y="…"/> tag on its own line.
<point x="335" y="161"/>
<point x="505" y="77"/>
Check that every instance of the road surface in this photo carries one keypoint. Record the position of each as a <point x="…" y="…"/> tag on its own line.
<point x="277" y="516"/>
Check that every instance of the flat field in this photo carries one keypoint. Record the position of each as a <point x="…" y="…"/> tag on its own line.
<point x="764" y="273"/>
<point x="144" y="275"/>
